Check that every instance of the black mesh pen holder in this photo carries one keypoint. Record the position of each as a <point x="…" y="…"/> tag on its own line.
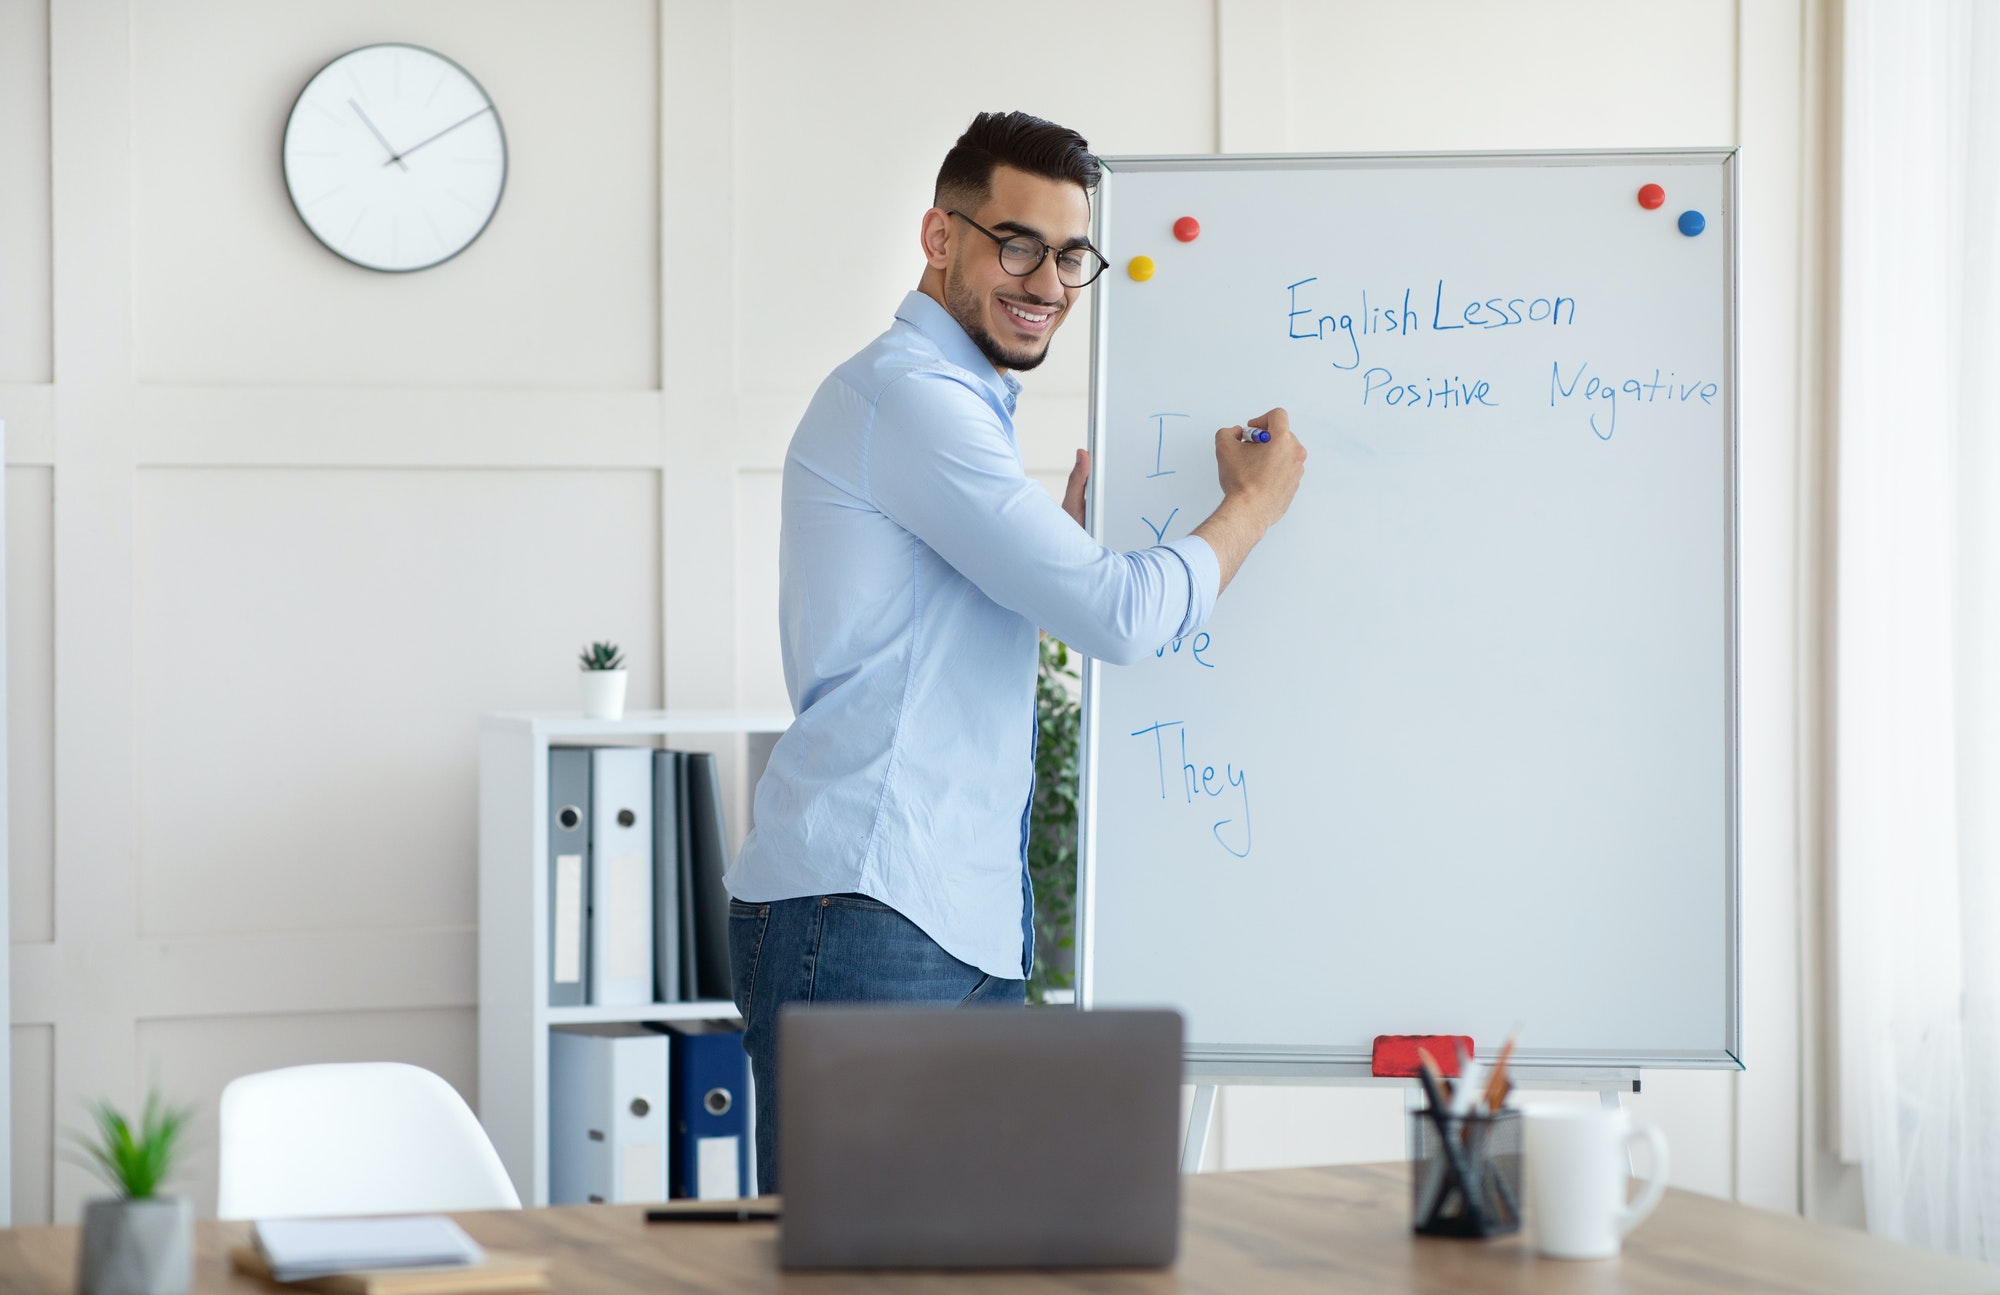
<point x="1465" y="1180"/>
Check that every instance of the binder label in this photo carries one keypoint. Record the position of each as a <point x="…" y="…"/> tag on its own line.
<point x="642" y="1172"/>
<point x="629" y="927"/>
<point x="569" y="919"/>
<point x="715" y="1169"/>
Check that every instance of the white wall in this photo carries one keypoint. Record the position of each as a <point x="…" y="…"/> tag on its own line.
<point x="279" y="528"/>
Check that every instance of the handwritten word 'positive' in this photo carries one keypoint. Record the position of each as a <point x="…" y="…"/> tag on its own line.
<point x="1606" y="391"/>
<point x="1379" y="386"/>
<point x="1198" y="786"/>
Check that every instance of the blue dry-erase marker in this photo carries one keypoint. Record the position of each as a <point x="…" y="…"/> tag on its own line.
<point x="1250" y="436"/>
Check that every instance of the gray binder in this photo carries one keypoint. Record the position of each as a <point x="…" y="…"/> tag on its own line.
<point x="569" y="876"/>
<point x="684" y="878"/>
<point x="669" y="784"/>
<point x="707" y="841"/>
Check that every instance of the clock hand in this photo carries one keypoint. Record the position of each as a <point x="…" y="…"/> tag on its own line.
<point x="394" y="156"/>
<point x="440" y="135"/>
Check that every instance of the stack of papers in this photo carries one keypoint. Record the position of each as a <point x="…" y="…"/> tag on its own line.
<point x="298" y="1249"/>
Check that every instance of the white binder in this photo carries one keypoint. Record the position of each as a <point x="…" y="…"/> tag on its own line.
<point x="621" y="875"/>
<point x="607" y="1114"/>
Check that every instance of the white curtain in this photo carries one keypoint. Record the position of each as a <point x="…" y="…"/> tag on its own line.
<point x="1917" y="758"/>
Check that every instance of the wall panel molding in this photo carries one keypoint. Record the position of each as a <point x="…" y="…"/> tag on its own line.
<point x="90" y="55"/>
<point x="26" y="220"/>
<point x="1252" y="83"/>
<point x="316" y="971"/>
<point x="93" y="996"/>
<point x="698" y="83"/>
<point x="1771" y="98"/>
<point x="388" y="427"/>
<point x="29" y="410"/>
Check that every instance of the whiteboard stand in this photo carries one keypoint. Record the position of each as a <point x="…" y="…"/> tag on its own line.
<point x="1199" y="1118"/>
<point x="1608" y="1082"/>
<point x="6" y="1032"/>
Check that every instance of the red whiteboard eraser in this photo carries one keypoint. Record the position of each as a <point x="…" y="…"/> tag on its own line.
<point x="1396" y="1054"/>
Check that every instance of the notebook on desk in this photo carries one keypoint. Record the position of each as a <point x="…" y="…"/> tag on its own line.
<point x="397" y="1255"/>
<point x="941" y="1138"/>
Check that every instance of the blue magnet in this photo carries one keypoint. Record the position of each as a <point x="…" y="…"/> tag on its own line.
<point x="1692" y="223"/>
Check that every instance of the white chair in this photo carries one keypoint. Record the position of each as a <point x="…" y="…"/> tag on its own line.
<point x="374" y="1137"/>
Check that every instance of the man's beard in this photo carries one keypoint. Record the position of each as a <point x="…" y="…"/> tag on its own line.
<point x="967" y="308"/>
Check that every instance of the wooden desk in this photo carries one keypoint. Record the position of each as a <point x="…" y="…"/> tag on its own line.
<point x="1325" y="1231"/>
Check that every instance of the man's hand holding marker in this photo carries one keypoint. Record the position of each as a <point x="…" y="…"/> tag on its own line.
<point x="1257" y="486"/>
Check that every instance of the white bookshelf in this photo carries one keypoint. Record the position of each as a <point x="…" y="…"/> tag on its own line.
<point x="514" y="1012"/>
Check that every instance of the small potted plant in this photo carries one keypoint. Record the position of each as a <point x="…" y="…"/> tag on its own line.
<point x="137" y="1242"/>
<point x="603" y="681"/>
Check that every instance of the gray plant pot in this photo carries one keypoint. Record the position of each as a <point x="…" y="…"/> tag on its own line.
<point x="136" y="1247"/>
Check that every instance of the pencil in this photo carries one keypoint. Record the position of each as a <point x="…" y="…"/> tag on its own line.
<point x="1496" y="1083"/>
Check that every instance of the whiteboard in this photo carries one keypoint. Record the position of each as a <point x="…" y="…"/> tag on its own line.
<point x="1456" y="752"/>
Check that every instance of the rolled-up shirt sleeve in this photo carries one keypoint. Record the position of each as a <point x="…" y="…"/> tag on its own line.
<point x="941" y="465"/>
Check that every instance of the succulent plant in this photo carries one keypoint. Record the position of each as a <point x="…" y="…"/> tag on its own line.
<point x="135" y="1160"/>
<point x="602" y="656"/>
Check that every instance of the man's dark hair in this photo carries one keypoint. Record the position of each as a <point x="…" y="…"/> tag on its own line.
<point x="965" y="181"/>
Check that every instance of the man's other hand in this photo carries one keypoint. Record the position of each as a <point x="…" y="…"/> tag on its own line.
<point x="1079" y="477"/>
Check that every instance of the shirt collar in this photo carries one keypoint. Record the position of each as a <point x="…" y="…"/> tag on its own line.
<point x="920" y="312"/>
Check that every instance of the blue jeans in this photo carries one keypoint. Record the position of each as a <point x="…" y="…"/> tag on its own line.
<point x="834" y="949"/>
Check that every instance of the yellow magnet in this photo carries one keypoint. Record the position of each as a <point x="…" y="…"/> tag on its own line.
<point x="1140" y="268"/>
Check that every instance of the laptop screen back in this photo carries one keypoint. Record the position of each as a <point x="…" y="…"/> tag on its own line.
<point x="935" y="1137"/>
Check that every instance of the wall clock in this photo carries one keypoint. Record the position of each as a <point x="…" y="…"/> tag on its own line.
<point x="394" y="157"/>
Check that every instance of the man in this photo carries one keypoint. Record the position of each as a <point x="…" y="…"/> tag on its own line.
<point x="917" y="563"/>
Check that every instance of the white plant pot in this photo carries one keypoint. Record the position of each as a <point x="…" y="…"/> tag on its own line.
<point x="603" y="694"/>
<point x="136" y="1247"/>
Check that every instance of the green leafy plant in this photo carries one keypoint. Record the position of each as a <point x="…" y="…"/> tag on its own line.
<point x="134" y="1161"/>
<point x="602" y="656"/>
<point x="1052" y="819"/>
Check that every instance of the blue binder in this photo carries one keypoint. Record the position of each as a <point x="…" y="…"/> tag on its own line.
<point x="709" y="1097"/>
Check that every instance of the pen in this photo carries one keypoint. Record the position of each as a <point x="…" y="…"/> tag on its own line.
<point x="1471" y="1080"/>
<point x="1251" y="436"/>
<point x="1433" y="1081"/>
<point x="741" y="1214"/>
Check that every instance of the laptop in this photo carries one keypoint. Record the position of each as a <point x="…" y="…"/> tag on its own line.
<point x="978" y="1138"/>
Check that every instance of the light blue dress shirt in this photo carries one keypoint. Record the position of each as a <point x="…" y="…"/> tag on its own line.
<point x="916" y="562"/>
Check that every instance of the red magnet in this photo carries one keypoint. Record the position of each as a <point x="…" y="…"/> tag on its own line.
<point x="1651" y="196"/>
<point x="1187" y="229"/>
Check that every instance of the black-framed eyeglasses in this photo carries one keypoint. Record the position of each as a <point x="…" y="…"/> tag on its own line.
<point x="1022" y="254"/>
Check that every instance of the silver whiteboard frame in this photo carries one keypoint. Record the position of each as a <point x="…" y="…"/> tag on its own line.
<point x="1309" y="1064"/>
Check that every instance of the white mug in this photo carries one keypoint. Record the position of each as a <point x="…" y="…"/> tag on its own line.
<point x="1575" y="1160"/>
